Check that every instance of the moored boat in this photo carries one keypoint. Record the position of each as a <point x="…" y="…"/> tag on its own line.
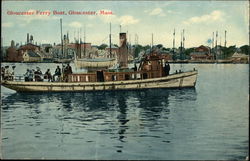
<point x="151" y="74"/>
<point x="180" y="80"/>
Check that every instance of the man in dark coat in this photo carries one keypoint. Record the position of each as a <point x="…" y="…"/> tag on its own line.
<point x="57" y="73"/>
<point x="68" y="70"/>
<point x="167" y="68"/>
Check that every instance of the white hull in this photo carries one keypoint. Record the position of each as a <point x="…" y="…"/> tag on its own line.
<point x="181" y="80"/>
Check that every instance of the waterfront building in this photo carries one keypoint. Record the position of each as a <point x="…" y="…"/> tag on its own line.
<point x="12" y="53"/>
<point x="31" y="56"/>
<point x="201" y="53"/>
<point x="240" y="58"/>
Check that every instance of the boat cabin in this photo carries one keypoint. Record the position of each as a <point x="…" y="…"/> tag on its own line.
<point x="150" y="67"/>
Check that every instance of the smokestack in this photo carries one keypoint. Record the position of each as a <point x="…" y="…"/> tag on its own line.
<point x="123" y="39"/>
<point x="123" y="51"/>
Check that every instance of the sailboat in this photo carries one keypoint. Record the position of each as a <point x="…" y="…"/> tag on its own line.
<point x="98" y="63"/>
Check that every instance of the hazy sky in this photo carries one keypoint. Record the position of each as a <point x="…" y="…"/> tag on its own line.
<point x="199" y="19"/>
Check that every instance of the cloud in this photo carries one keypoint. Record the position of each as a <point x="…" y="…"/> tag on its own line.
<point x="75" y="24"/>
<point x="128" y="20"/>
<point x="107" y="18"/>
<point x="157" y="11"/>
<point x="122" y="20"/>
<point x="7" y="24"/>
<point x="213" y="16"/>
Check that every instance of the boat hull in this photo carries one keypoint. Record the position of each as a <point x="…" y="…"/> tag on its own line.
<point x="181" y="80"/>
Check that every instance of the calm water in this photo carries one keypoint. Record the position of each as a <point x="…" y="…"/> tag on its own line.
<point x="208" y="122"/>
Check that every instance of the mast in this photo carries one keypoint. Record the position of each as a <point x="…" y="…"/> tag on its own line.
<point x="129" y="43"/>
<point x="220" y="46"/>
<point x="110" y="40"/>
<point x="183" y="38"/>
<point x="225" y="38"/>
<point x="61" y="36"/>
<point x="152" y="42"/>
<point x="80" y="41"/>
<point x="213" y="41"/>
<point x="216" y="44"/>
<point x="84" y="43"/>
<point x="173" y="41"/>
<point x="181" y="46"/>
<point x="183" y="43"/>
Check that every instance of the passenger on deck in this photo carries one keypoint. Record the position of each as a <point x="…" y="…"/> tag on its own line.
<point x="68" y="70"/>
<point x="2" y="73"/>
<point x="63" y="72"/>
<point x="12" y="73"/>
<point x="57" y="73"/>
<point x="31" y="74"/>
<point x="38" y="74"/>
<point x="167" y="68"/>
<point x="7" y="74"/>
<point x="48" y="75"/>
<point x="135" y="67"/>
<point x="26" y="75"/>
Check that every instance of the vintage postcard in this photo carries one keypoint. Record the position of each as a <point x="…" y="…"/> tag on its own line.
<point x="125" y="80"/>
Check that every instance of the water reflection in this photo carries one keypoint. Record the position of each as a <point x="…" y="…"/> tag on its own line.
<point x="120" y="114"/>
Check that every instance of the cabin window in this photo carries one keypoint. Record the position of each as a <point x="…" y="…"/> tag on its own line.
<point x="133" y="76"/>
<point x="144" y="75"/>
<point x="138" y="75"/>
<point x="126" y="76"/>
<point x="113" y="77"/>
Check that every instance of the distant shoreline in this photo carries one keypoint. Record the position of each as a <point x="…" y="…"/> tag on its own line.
<point x="170" y="62"/>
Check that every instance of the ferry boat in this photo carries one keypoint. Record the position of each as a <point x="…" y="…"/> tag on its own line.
<point x="150" y="74"/>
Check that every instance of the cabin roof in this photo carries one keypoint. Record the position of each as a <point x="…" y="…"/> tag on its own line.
<point x="33" y="54"/>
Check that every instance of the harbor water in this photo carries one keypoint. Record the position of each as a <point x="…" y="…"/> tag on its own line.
<point x="207" y="122"/>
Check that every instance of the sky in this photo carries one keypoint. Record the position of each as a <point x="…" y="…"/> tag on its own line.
<point x="199" y="19"/>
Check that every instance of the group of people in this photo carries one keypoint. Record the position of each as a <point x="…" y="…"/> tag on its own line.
<point x="7" y="73"/>
<point x="31" y="75"/>
<point x="59" y="75"/>
<point x="62" y="74"/>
